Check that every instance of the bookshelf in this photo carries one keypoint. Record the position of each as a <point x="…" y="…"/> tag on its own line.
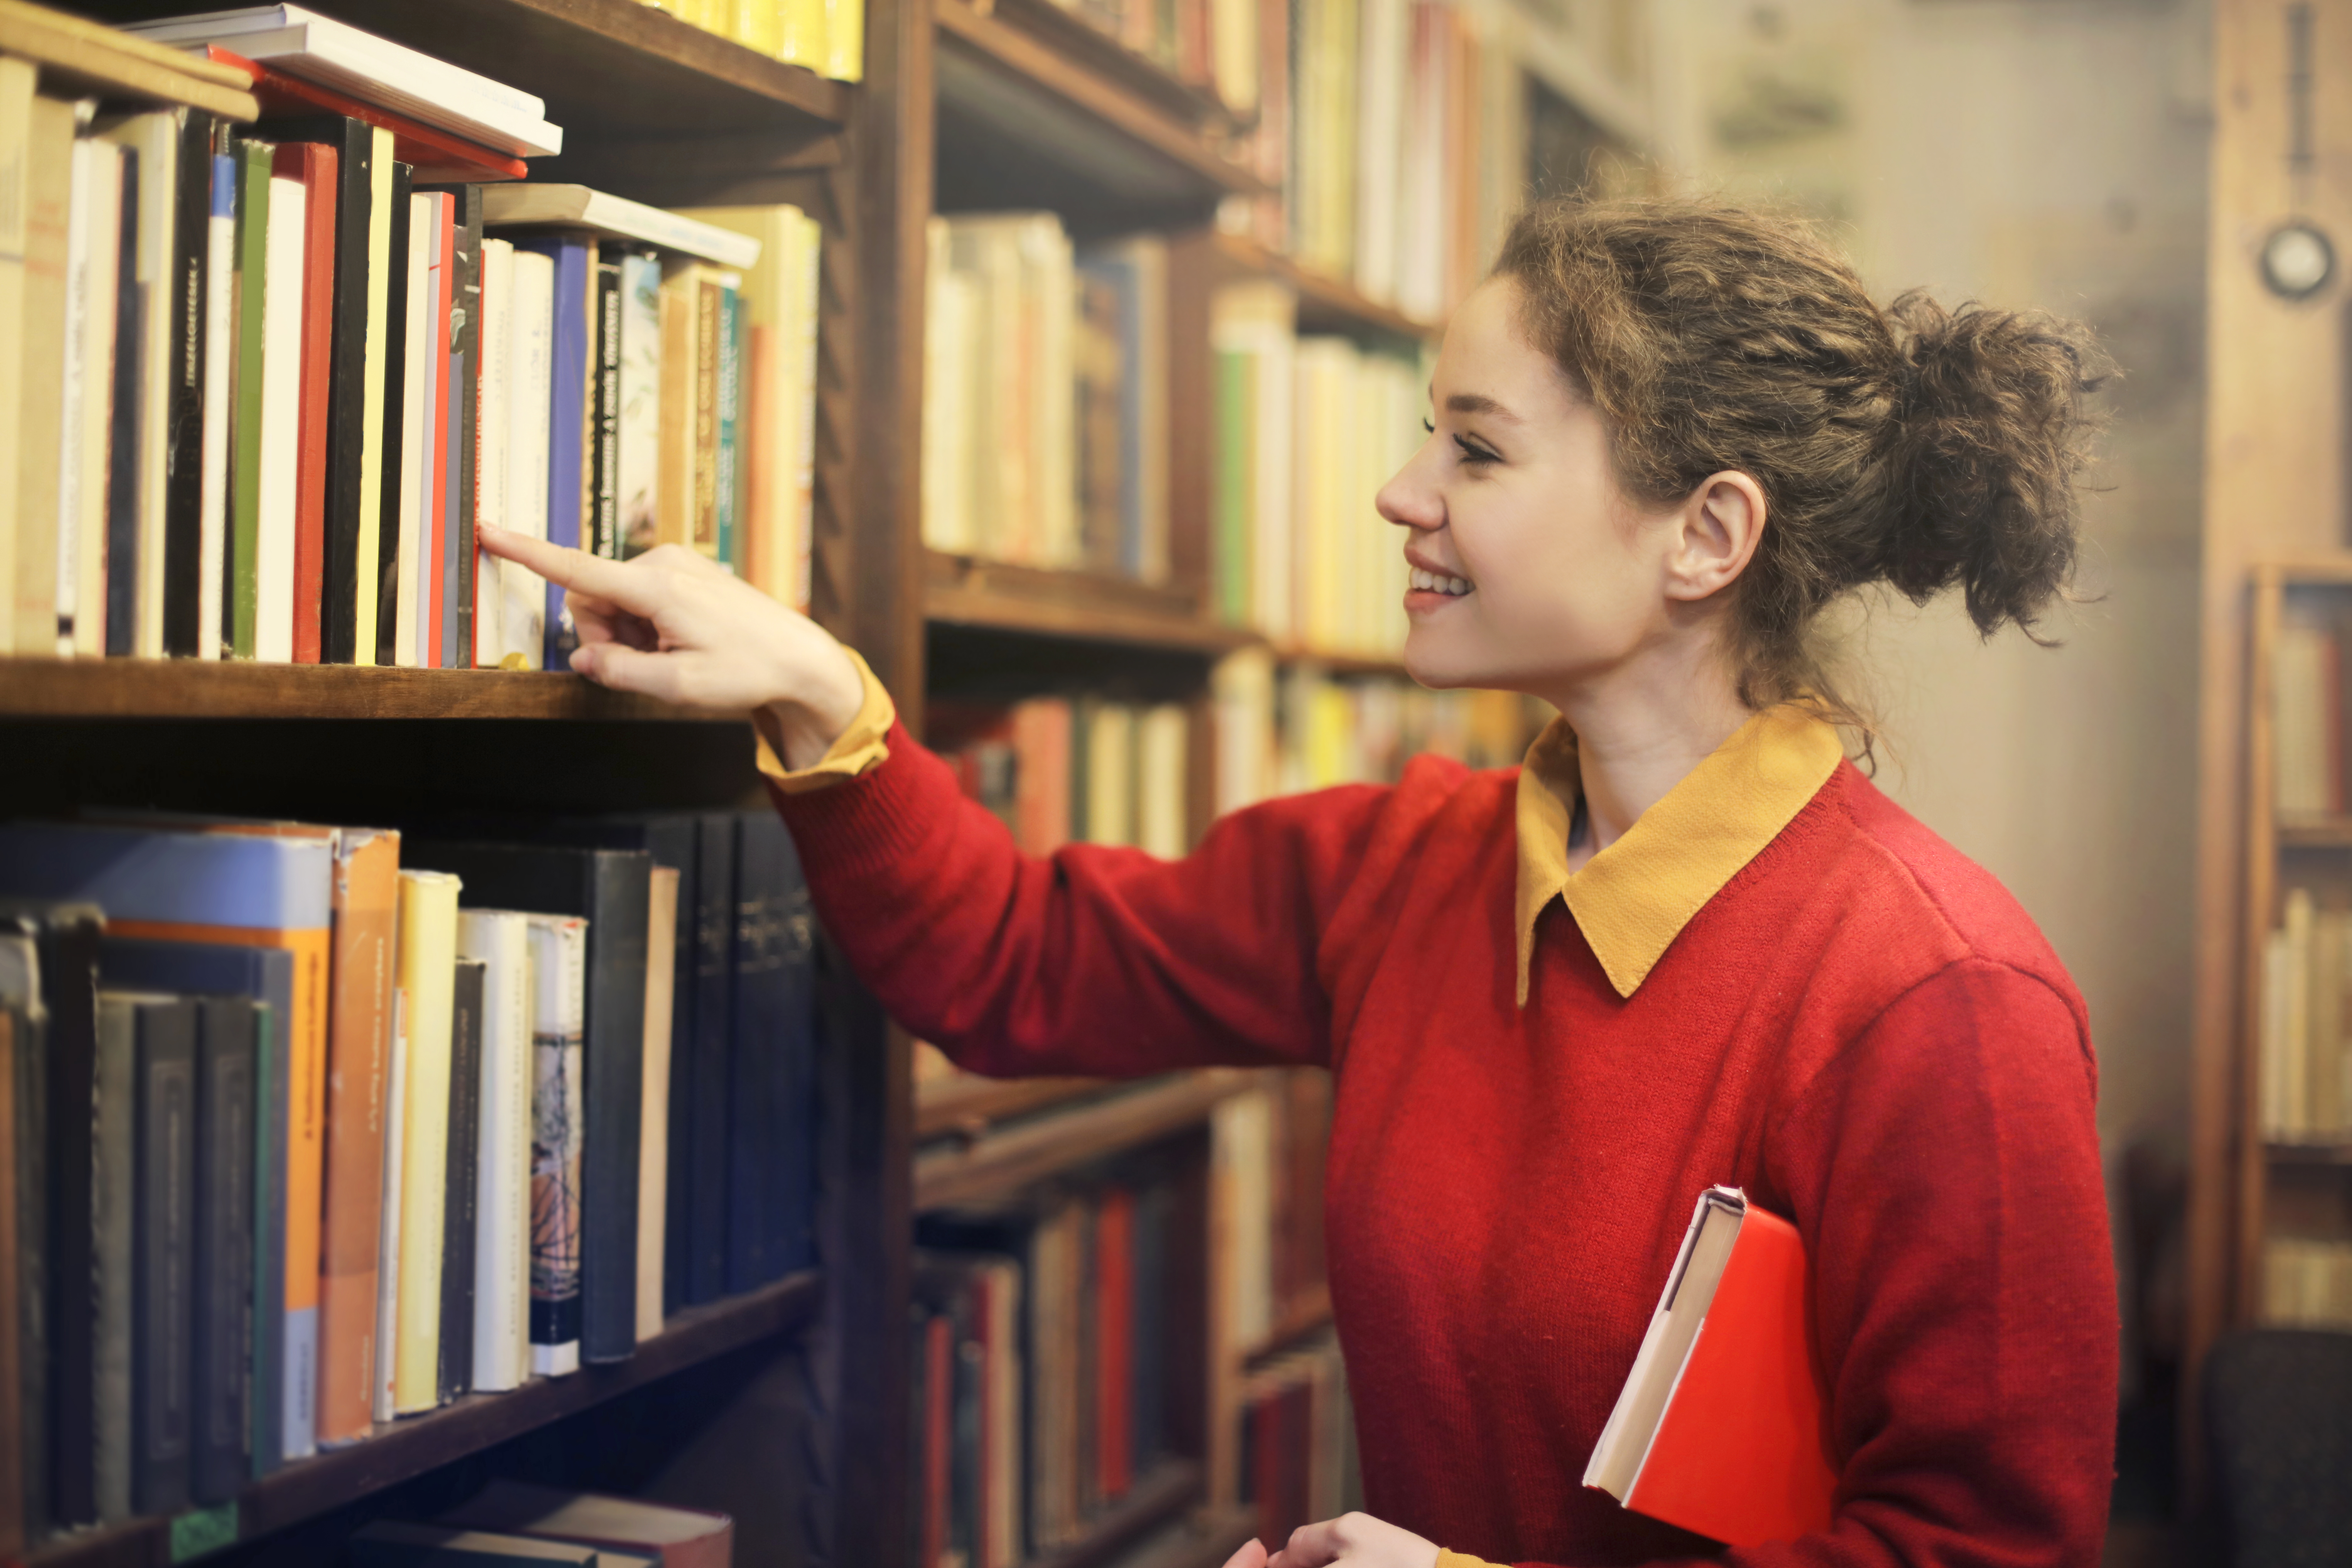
<point x="966" y="105"/>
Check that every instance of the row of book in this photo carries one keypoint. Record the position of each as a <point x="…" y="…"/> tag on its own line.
<point x="1282" y="729"/>
<point x="2305" y="1046"/>
<point x="1267" y="1148"/>
<point x="1043" y="1382"/>
<point x="1209" y="45"/>
<point x="828" y="36"/>
<point x="271" y="378"/>
<point x="2307" y="697"/>
<point x="1085" y="770"/>
<point x="1307" y="430"/>
<point x="317" y="1127"/>
<point x="2307" y="1284"/>
<point x="1045" y="416"/>
<point x="1298" y="1441"/>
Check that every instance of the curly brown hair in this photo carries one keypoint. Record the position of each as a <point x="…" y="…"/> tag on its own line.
<point x="1912" y="445"/>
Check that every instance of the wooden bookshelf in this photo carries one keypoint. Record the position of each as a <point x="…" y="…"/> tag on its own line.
<point x="192" y="688"/>
<point x="1143" y="77"/>
<point x="1325" y="304"/>
<point x="1158" y="1496"/>
<point x="1301" y="1321"/>
<point x="1002" y="1162"/>
<point x="969" y="1105"/>
<point x="401" y="1450"/>
<point x="964" y="591"/>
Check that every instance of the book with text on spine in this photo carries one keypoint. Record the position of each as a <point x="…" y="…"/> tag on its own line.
<point x="1722" y="1428"/>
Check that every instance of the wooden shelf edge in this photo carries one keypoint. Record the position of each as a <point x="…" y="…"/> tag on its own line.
<point x="972" y="592"/>
<point x="968" y="1104"/>
<point x="1325" y="302"/>
<point x="1025" y="56"/>
<point x="196" y="689"/>
<point x="639" y="26"/>
<point x="1164" y="1491"/>
<point x="1004" y="1162"/>
<point x="401" y="1450"/>
<point x="1308" y="1317"/>
<point x="1139" y="73"/>
<point x="1340" y="663"/>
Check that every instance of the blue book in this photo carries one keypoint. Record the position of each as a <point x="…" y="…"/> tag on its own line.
<point x="771" y="1062"/>
<point x="576" y="304"/>
<point x="241" y="1359"/>
<point x="234" y="889"/>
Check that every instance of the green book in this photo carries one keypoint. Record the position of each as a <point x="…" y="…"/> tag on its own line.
<point x="243" y="588"/>
<point x="730" y="499"/>
<point x="1234" y="480"/>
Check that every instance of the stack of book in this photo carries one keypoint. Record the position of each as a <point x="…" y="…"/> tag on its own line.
<point x="1043" y="1383"/>
<point x="1298" y="1441"/>
<point x="2305" y="1046"/>
<point x="1085" y="770"/>
<point x="272" y="377"/>
<point x="2307" y="697"/>
<point x="1307" y="431"/>
<point x="317" y="1126"/>
<point x="1046" y="396"/>
<point x="2306" y="1283"/>
<point x="828" y="36"/>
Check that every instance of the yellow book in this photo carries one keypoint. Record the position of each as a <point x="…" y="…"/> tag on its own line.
<point x="756" y="25"/>
<point x="428" y="958"/>
<point x="674" y="483"/>
<point x="844" y="39"/>
<point x="801" y="32"/>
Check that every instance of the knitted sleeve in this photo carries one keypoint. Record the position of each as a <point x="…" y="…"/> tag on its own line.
<point x="1096" y="961"/>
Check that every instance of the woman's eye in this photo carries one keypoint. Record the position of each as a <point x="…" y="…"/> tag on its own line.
<point x="1473" y="453"/>
<point x="1425" y="424"/>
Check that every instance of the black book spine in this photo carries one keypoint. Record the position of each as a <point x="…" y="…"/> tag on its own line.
<point x="793" y="1153"/>
<point x="164" y="1227"/>
<point x="604" y="454"/>
<point x="70" y="989"/>
<point x="122" y="444"/>
<point x="395" y="380"/>
<point x="465" y="353"/>
<point x="616" y="1096"/>
<point x="757" y="1073"/>
<point x="29" y="1082"/>
<point x="714" y="938"/>
<point x="460" y="1207"/>
<point x="183" y="414"/>
<point x="225" y="1091"/>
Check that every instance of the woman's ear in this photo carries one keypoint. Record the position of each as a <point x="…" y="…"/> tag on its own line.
<point x="1719" y="530"/>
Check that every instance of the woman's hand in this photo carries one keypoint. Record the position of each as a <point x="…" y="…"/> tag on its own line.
<point x="1350" y="1541"/>
<point x="675" y="626"/>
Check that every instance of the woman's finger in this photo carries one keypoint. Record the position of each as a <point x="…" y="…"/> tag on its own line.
<point x="625" y="669"/>
<point x="1311" y="1546"/>
<point x="576" y="569"/>
<point x="1251" y="1555"/>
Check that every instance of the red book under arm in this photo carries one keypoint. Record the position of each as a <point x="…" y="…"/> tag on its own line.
<point x="1723" y="1426"/>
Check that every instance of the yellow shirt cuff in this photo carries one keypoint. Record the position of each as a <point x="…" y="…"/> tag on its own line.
<point x="1446" y="1559"/>
<point x="860" y="748"/>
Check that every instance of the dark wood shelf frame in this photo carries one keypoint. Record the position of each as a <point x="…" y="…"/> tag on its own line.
<point x="1003" y="1161"/>
<point x="401" y="1450"/>
<point x="1325" y="304"/>
<point x="1301" y="1320"/>
<point x="966" y="591"/>
<point x="198" y="689"/>
<point x="1072" y="35"/>
<point x="1158" y="1496"/>
<point x="969" y="1105"/>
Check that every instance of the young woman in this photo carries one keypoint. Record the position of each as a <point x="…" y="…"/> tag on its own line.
<point x="1687" y="942"/>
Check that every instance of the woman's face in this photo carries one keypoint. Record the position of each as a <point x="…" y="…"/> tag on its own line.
<point x="1532" y="570"/>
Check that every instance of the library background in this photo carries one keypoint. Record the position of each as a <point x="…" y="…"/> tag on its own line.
<point x="429" y="1102"/>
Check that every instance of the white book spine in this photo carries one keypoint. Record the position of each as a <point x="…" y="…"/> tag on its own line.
<point x="493" y="446"/>
<point x="530" y="392"/>
<point x="220" y="361"/>
<point x="387" y="1252"/>
<point x="559" y="1129"/>
<point x="75" y="379"/>
<point x="416" y="453"/>
<point x="281" y="423"/>
<point x="502" y="1234"/>
<point x="98" y="348"/>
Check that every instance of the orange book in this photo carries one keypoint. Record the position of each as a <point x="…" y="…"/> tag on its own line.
<point x="1114" y="1340"/>
<point x="1041" y="783"/>
<point x="1722" y="1428"/>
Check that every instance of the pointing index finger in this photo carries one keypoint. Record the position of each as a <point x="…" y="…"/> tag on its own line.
<point x="569" y="568"/>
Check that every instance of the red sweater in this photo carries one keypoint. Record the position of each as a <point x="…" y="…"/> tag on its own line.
<point x="1861" y="1029"/>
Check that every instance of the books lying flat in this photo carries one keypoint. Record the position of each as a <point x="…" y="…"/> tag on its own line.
<point x="389" y="1545"/>
<point x="435" y="156"/>
<point x="1725" y="1432"/>
<point x="106" y="61"/>
<point x="305" y="44"/>
<point x="677" y="1536"/>
<point x="577" y="206"/>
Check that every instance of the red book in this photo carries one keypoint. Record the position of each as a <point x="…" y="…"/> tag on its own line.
<point x="440" y="158"/>
<point x="1114" y="1340"/>
<point x="314" y="165"/>
<point x="437" y="549"/>
<point x="938" y="1421"/>
<point x="1723" y="1428"/>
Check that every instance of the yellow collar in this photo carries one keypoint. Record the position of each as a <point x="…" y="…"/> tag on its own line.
<point x="1634" y="898"/>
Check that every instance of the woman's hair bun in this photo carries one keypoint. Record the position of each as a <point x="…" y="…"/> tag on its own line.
<point x="1991" y="428"/>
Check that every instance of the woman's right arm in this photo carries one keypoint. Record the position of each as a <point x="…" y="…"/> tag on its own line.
<point x="1095" y="961"/>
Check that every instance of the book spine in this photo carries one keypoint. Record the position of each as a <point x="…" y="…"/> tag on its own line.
<point x="604" y="483"/>
<point x="320" y="169"/>
<point x="69" y="956"/>
<point x="709" y="331"/>
<point x="615" y="1084"/>
<point x="559" y="1126"/>
<point x="354" y="395"/>
<point x="767" y="1188"/>
<point x="494" y="450"/>
<point x="272" y="1041"/>
<point x="387" y="1269"/>
<point x="277" y="544"/>
<point x="163" y="1271"/>
<point x="460" y="1214"/>
<point x="465" y="347"/>
<point x="428" y="937"/>
<point x="20" y="1427"/>
<point x="714" y="937"/>
<point x="242" y="594"/>
<point x="394" y="433"/>
<point x="72" y="386"/>
<point x="359" y="1044"/>
<point x="653" y="1135"/>
<point x="502" y="1150"/>
<point x="678" y="848"/>
<point x="220" y="392"/>
<point x="727" y="471"/>
<point x="113" y="1204"/>
<point x="521" y="639"/>
<point x="183" y="414"/>
<point x="226" y="1099"/>
<point x="570" y="415"/>
<point x="122" y="445"/>
<point x="445" y="380"/>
